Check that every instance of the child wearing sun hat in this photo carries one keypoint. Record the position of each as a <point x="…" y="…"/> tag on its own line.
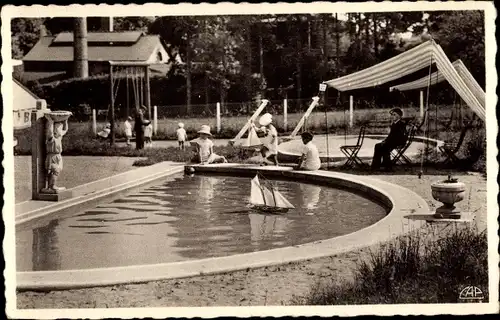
<point x="204" y="147"/>
<point x="269" y="149"/>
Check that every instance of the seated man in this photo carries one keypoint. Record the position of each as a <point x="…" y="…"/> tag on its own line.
<point x="397" y="137"/>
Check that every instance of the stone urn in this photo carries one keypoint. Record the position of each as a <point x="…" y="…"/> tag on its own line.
<point x="449" y="192"/>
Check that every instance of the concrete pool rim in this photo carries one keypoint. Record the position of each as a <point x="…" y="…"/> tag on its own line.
<point x="403" y="201"/>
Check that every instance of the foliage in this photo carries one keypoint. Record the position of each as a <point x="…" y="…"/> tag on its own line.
<point x="25" y="34"/>
<point x="413" y="270"/>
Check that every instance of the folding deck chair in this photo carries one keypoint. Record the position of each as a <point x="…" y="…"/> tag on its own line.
<point x="351" y="151"/>
<point x="450" y="149"/>
<point x="398" y="154"/>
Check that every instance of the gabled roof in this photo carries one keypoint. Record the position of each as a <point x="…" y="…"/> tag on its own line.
<point x="409" y="62"/>
<point x="25" y="89"/>
<point x="140" y="50"/>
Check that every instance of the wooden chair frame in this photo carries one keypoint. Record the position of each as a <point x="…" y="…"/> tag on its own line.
<point x="351" y="151"/>
<point x="398" y="154"/>
<point x="450" y="149"/>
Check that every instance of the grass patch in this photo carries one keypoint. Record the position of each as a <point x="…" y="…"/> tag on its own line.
<point x="412" y="270"/>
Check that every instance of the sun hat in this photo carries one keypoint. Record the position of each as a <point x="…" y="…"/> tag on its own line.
<point x="205" y="129"/>
<point x="181" y="125"/>
<point x="266" y="119"/>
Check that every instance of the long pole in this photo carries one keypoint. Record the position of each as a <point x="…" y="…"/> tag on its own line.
<point x="80" y="49"/>
<point x="112" y="117"/>
<point x="285" y="114"/>
<point x="148" y="92"/>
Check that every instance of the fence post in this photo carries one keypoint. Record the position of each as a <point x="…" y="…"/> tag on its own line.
<point x="351" y="111"/>
<point x="94" y="122"/>
<point x="155" y="120"/>
<point x="217" y="114"/>
<point x="421" y="103"/>
<point x="285" y="114"/>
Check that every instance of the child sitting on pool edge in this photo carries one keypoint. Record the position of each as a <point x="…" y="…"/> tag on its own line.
<point x="204" y="148"/>
<point x="310" y="156"/>
<point x="269" y="149"/>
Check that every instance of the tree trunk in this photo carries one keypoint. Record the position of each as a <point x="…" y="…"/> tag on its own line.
<point x="207" y="100"/>
<point x="261" y="52"/>
<point x="325" y="47"/>
<point x="337" y="46"/>
<point x="308" y="34"/>
<point x="375" y="42"/>
<point x="298" y="61"/>
<point x="188" y="74"/>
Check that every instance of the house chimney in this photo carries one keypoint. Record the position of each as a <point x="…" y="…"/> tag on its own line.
<point x="80" y="50"/>
<point x="43" y="31"/>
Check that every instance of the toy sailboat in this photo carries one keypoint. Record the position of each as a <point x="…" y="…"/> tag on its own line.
<point x="253" y="140"/>
<point x="263" y="199"/>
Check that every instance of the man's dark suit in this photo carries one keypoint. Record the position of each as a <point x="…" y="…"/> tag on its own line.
<point x="397" y="137"/>
<point x="139" y="130"/>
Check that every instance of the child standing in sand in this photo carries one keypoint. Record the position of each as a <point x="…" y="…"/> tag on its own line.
<point x="128" y="129"/>
<point x="148" y="134"/>
<point x="204" y="148"/>
<point x="269" y="149"/>
<point x="181" y="135"/>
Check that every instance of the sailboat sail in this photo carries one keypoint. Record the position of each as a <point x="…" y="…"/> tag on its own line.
<point x="253" y="139"/>
<point x="256" y="194"/>
<point x="261" y="196"/>
<point x="281" y="201"/>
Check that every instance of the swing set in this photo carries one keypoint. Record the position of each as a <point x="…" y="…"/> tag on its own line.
<point x="136" y="76"/>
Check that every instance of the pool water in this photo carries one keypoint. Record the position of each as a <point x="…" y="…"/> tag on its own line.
<point x="190" y="217"/>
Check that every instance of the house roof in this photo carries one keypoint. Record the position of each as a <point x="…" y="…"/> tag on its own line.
<point x="25" y="89"/>
<point x="103" y="47"/>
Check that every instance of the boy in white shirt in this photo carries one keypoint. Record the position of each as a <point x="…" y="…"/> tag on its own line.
<point x="128" y="129"/>
<point x="181" y="135"/>
<point x="310" y="156"/>
<point x="204" y="148"/>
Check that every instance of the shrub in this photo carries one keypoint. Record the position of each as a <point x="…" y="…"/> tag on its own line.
<point x="412" y="270"/>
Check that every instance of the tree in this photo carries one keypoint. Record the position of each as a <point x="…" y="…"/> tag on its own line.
<point x="25" y="34"/>
<point x="461" y="35"/>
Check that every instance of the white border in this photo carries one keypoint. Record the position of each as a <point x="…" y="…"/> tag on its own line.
<point x="230" y="8"/>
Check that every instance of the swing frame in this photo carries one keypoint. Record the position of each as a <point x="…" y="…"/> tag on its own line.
<point x="145" y="90"/>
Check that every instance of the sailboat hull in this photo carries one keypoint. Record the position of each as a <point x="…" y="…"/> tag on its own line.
<point x="269" y="209"/>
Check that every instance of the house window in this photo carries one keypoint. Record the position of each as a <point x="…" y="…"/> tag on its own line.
<point x="159" y="56"/>
<point x="18" y="115"/>
<point x="26" y="117"/>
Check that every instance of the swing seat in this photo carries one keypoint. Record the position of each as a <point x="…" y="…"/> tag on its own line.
<point x="398" y="154"/>
<point x="351" y="151"/>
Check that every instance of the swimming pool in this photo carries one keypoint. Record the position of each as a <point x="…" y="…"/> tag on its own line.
<point x="187" y="218"/>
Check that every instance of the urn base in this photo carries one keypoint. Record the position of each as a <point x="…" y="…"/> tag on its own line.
<point x="54" y="196"/>
<point x="447" y="212"/>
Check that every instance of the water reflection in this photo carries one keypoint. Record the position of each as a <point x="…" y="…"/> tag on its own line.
<point x="310" y="195"/>
<point x="45" y="252"/>
<point x="266" y="226"/>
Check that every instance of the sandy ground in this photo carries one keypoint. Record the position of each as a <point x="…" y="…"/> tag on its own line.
<point x="276" y="285"/>
<point x="95" y="168"/>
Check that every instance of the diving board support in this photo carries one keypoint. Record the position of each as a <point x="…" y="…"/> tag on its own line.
<point x="313" y="104"/>
<point x="252" y="119"/>
<point x="351" y="111"/>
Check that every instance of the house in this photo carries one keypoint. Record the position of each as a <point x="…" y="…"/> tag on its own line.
<point x="51" y="58"/>
<point x="24" y="101"/>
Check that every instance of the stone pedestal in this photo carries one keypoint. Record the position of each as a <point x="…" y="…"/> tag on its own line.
<point x="39" y="173"/>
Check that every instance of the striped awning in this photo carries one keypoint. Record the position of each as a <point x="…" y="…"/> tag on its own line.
<point x="406" y="63"/>
<point x="437" y="77"/>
